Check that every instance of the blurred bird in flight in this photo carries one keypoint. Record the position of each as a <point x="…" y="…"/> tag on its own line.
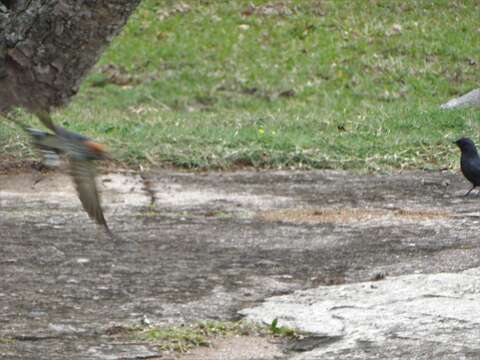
<point x="81" y="152"/>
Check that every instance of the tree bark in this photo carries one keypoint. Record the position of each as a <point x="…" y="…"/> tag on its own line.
<point x="47" y="47"/>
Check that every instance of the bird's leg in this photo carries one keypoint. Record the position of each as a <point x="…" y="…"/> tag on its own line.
<point x="469" y="191"/>
<point x="37" y="177"/>
<point x="148" y="188"/>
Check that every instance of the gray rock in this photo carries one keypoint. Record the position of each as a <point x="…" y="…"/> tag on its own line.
<point x="385" y="317"/>
<point x="62" y="288"/>
<point x="121" y="351"/>
<point x="470" y="99"/>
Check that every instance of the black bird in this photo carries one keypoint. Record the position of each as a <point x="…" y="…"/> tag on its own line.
<point x="469" y="162"/>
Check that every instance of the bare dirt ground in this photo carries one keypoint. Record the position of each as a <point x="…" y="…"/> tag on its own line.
<point x="211" y="245"/>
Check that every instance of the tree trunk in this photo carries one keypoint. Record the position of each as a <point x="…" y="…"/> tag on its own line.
<point x="47" y="47"/>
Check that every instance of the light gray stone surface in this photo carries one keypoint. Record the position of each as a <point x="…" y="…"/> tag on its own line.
<point x="215" y="243"/>
<point x="471" y="98"/>
<point x="441" y="309"/>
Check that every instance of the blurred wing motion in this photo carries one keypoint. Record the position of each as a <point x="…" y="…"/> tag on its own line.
<point x="44" y="139"/>
<point x="83" y="174"/>
<point x="48" y="144"/>
<point x="81" y="152"/>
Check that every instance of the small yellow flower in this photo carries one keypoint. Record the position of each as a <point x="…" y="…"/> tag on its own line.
<point x="261" y="131"/>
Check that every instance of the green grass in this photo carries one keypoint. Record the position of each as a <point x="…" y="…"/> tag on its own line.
<point x="310" y="84"/>
<point x="5" y="341"/>
<point x="185" y="338"/>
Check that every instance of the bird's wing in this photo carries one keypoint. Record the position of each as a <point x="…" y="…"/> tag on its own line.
<point x="471" y="169"/>
<point x="44" y="140"/>
<point x="83" y="174"/>
<point x="46" y="119"/>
